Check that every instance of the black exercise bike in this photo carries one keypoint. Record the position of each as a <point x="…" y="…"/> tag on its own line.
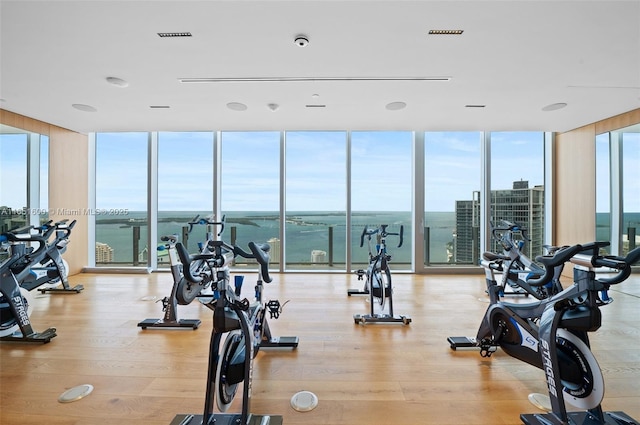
<point x="518" y="268"/>
<point x="51" y="274"/>
<point x="378" y="278"/>
<point x="181" y="293"/>
<point x="15" y="306"/>
<point x="552" y="334"/>
<point x="245" y="326"/>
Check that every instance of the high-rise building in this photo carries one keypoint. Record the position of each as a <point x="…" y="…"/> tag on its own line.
<point x="520" y="204"/>
<point x="104" y="253"/>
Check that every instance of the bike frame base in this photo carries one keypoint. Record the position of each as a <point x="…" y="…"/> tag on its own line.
<point x="39" y="337"/>
<point x="578" y="418"/>
<point x="280" y="342"/>
<point x="159" y="323"/>
<point x="380" y="318"/>
<point x="64" y="290"/>
<point x="462" y="342"/>
<point x="224" y="419"/>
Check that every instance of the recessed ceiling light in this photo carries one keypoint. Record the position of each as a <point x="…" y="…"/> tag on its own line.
<point x="554" y="107"/>
<point x="445" y="32"/>
<point x="237" y="106"/>
<point x="118" y="82"/>
<point x="174" y="34"/>
<point x="273" y="106"/>
<point x="84" y="108"/>
<point x="396" y="106"/>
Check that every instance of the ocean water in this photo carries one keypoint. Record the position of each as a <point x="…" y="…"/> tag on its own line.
<point x="310" y="236"/>
<point x="629" y="220"/>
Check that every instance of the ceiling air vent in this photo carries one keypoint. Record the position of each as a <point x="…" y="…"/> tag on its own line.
<point x="445" y="32"/>
<point x="174" y="34"/>
<point x="316" y="106"/>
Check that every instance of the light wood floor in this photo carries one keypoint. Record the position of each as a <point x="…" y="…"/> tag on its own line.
<point x="373" y="374"/>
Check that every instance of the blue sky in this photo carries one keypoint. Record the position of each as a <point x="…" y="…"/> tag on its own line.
<point x="315" y="172"/>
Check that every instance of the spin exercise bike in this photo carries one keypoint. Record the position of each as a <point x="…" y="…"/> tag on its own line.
<point x="182" y="293"/>
<point x="378" y="278"/>
<point x="552" y="334"/>
<point x="51" y="274"/>
<point x="14" y="303"/>
<point x="518" y="268"/>
<point x="246" y="329"/>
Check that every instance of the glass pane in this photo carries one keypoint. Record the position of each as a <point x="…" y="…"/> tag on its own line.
<point x="185" y="187"/>
<point x="250" y="198"/>
<point x="452" y="187"/>
<point x="381" y="193"/>
<point x="517" y="186"/>
<point x="44" y="178"/>
<point x="630" y="190"/>
<point x="13" y="179"/>
<point x="315" y="200"/>
<point x="603" y="189"/>
<point x="121" y="199"/>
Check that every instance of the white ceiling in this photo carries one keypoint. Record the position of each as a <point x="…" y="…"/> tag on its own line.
<point x="514" y="57"/>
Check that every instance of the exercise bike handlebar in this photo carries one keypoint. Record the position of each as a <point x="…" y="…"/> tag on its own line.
<point x="258" y="252"/>
<point x="587" y="255"/>
<point x="383" y="232"/>
<point x="204" y="221"/>
<point x="550" y="262"/>
<point x="14" y="236"/>
<point x="261" y="254"/>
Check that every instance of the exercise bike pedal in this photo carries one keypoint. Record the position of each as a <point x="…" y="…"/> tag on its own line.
<point x="226" y="419"/>
<point x="39" y="337"/>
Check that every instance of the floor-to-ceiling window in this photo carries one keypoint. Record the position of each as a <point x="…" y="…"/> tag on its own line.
<point x="121" y="199"/>
<point x="43" y="179"/>
<point x="630" y="237"/>
<point x="13" y="179"/>
<point x="617" y="188"/>
<point x="185" y="187"/>
<point x="328" y="180"/>
<point x="24" y="178"/>
<point x="603" y="189"/>
<point x="315" y="213"/>
<point x="452" y="164"/>
<point x="250" y="190"/>
<point x="381" y="193"/>
<point x="517" y="186"/>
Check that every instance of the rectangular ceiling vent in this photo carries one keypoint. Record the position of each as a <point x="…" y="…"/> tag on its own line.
<point x="174" y="34"/>
<point x="445" y="32"/>
<point x="474" y="106"/>
<point x="316" y="106"/>
<point x="159" y="106"/>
